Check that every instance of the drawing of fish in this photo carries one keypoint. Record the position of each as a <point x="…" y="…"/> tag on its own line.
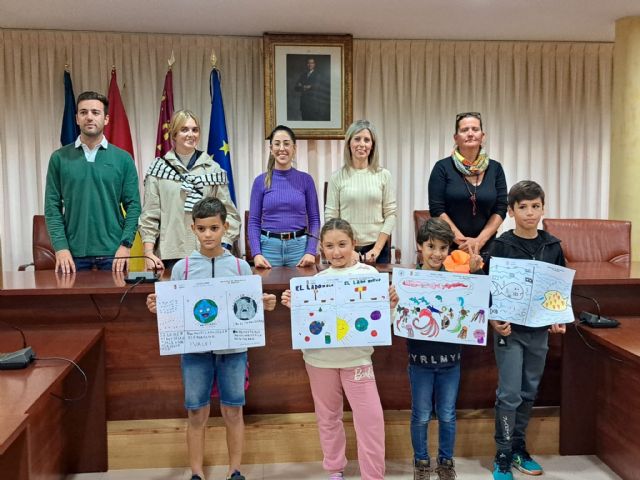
<point x="554" y="301"/>
<point x="511" y="290"/>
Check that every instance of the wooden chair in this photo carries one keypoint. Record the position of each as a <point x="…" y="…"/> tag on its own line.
<point x="44" y="257"/>
<point x="420" y="217"/>
<point x="591" y="240"/>
<point x="396" y="253"/>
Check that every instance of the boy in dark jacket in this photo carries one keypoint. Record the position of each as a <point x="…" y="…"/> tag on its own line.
<point x="521" y="351"/>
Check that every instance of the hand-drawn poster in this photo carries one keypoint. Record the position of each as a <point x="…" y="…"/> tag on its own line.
<point x="342" y="311"/>
<point x="441" y="306"/>
<point x="529" y="292"/>
<point x="210" y="314"/>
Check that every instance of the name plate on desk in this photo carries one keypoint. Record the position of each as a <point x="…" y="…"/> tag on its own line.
<point x="210" y="314"/>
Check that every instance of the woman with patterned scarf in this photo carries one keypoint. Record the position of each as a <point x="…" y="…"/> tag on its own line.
<point x="173" y="184"/>
<point x="468" y="190"/>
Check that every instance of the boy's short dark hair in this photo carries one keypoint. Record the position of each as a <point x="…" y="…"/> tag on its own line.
<point x="209" y="207"/>
<point x="525" y="190"/>
<point x="89" y="95"/>
<point x="435" y="229"/>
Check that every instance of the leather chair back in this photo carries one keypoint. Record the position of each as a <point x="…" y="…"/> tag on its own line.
<point x="44" y="257"/>
<point x="590" y="240"/>
<point x="420" y="217"/>
<point x="247" y="248"/>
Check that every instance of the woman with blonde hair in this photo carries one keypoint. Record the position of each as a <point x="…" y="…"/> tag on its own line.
<point x="362" y="193"/>
<point x="173" y="184"/>
<point x="284" y="219"/>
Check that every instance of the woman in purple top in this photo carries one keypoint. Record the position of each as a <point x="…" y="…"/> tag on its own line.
<point x="284" y="208"/>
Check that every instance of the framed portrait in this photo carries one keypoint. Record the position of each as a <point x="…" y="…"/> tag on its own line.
<point x="308" y="83"/>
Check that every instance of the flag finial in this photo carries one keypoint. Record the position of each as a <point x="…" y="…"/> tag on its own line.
<point x="214" y="59"/>
<point x="66" y="67"/>
<point x="172" y="60"/>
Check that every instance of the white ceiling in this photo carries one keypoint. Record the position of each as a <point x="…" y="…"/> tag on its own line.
<point x="569" y="20"/>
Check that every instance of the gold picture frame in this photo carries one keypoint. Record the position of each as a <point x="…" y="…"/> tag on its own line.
<point x="308" y="82"/>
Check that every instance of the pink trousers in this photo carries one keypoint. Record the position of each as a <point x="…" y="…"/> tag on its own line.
<point x="359" y="385"/>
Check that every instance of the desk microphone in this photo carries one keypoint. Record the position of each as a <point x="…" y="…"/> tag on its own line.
<point x="20" y="358"/>
<point x="136" y="277"/>
<point x="595" y="321"/>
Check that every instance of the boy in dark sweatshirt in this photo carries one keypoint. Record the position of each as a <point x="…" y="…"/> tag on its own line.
<point x="521" y="351"/>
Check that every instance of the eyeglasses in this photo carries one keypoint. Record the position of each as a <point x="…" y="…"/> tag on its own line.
<point x="460" y="116"/>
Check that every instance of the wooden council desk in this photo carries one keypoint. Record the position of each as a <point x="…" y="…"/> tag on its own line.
<point x="43" y="436"/>
<point x="600" y="409"/>
<point x="140" y="384"/>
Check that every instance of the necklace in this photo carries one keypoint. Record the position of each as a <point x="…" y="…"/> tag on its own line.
<point x="472" y="195"/>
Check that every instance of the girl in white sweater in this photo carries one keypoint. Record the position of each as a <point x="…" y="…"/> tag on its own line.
<point x="336" y="369"/>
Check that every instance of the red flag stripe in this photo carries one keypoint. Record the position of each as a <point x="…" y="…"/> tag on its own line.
<point x="163" y="142"/>
<point x="117" y="130"/>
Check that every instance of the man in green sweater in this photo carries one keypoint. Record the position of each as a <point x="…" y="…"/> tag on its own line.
<point x="89" y="183"/>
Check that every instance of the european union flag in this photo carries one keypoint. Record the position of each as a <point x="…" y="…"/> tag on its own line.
<point x="70" y="130"/>
<point x="218" y="145"/>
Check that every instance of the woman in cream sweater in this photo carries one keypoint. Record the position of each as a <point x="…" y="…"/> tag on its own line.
<point x="362" y="193"/>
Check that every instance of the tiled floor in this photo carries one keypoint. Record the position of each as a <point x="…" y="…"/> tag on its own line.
<point x="556" y="468"/>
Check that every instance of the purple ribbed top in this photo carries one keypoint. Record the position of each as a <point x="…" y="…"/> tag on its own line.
<point x="291" y="204"/>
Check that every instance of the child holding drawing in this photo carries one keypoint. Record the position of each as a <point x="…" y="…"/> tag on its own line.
<point x="333" y="370"/>
<point x="226" y="366"/>
<point x="521" y="351"/>
<point x="434" y="368"/>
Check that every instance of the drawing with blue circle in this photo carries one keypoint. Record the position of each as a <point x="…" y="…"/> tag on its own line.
<point x="205" y="311"/>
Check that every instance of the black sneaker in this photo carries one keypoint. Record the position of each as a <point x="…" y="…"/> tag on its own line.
<point x="236" y="475"/>
<point x="196" y="477"/>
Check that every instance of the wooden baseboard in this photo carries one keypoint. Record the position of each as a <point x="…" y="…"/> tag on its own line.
<point x="292" y="438"/>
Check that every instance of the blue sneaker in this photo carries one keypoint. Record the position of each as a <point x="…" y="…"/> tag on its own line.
<point x="523" y="462"/>
<point x="502" y="466"/>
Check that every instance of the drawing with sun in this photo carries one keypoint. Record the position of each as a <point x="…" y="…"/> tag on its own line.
<point x="344" y="311"/>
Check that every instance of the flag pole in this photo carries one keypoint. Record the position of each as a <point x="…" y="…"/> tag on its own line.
<point x="214" y="59"/>
<point x="218" y="144"/>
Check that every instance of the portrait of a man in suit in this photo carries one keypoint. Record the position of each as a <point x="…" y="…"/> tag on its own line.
<point x="309" y="99"/>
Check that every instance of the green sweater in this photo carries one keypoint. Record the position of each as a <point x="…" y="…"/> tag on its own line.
<point x="82" y="200"/>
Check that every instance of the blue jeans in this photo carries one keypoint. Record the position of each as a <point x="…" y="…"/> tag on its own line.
<point x="429" y="384"/>
<point x="200" y="370"/>
<point x="91" y="263"/>
<point x="283" y="253"/>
